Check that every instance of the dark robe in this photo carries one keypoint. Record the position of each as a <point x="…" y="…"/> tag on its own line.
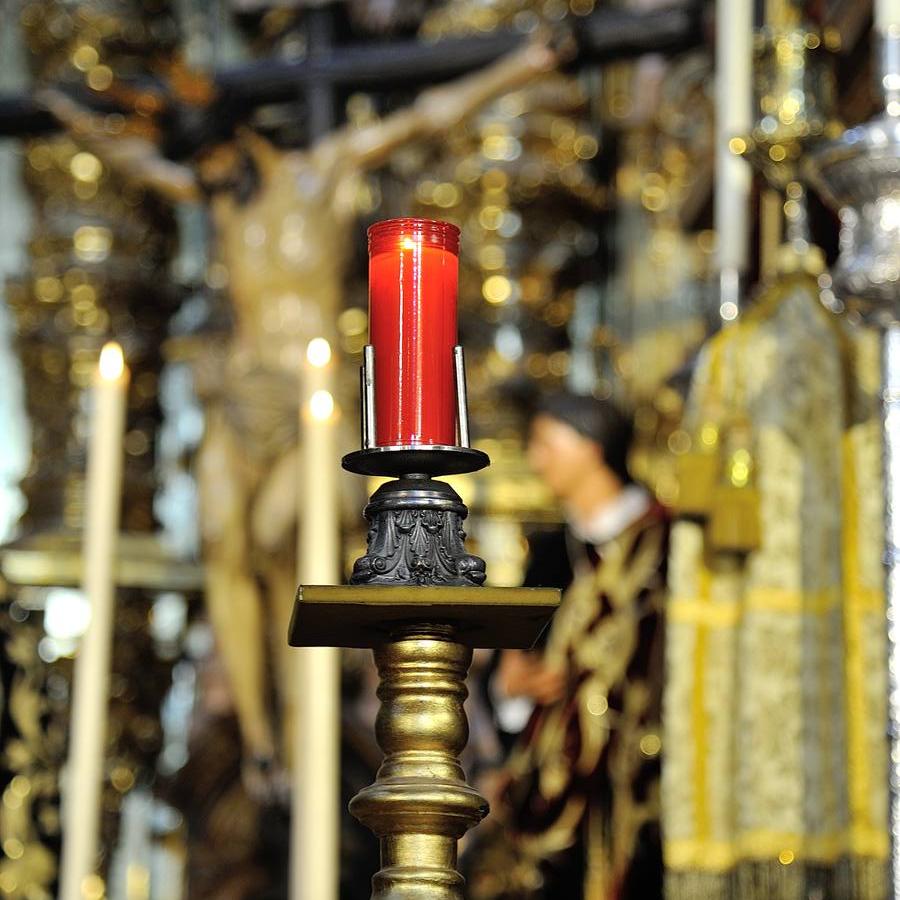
<point x="579" y="814"/>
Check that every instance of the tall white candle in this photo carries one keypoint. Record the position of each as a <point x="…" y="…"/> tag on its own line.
<point x="82" y="799"/>
<point x="887" y="60"/>
<point x="734" y="119"/>
<point x="315" y="820"/>
<point x="887" y="15"/>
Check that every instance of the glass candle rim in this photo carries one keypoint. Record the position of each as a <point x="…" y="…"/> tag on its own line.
<point x="387" y="234"/>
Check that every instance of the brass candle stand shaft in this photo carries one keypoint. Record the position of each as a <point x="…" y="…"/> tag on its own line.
<point x="420" y="804"/>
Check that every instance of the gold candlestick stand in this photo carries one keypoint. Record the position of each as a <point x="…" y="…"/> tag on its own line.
<point x="416" y="599"/>
<point x="794" y="95"/>
<point x="420" y="804"/>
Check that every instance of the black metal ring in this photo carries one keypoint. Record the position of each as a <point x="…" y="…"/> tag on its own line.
<point x="408" y="460"/>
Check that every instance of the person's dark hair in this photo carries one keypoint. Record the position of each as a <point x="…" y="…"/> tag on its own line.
<point x="602" y="421"/>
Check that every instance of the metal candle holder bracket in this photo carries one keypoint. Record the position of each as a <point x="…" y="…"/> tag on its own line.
<point x="416" y="598"/>
<point x="403" y="459"/>
<point x="859" y="175"/>
<point x="794" y="95"/>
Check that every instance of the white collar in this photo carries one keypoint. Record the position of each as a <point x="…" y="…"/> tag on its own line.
<point x="610" y="521"/>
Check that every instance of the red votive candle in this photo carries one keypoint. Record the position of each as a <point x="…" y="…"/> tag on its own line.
<point x="413" y="278"/>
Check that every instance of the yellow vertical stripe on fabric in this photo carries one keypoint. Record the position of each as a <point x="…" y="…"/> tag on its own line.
<point x="696" y="610"/>
<point x="854" y="665"/>
<point x="827" y="740"/>
<point x="698" y="713"/>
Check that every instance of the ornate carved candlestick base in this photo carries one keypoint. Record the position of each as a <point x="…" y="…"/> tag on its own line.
<point x="416" y="536"/>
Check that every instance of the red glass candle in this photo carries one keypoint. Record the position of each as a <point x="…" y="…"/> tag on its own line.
<point x="413" y="278"/>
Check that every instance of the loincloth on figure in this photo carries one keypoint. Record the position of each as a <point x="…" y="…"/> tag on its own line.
<point x="261" y="407"/>
<point x="247" y="465"/>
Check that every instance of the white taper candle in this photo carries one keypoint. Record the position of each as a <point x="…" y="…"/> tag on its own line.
<point x="734" y="120"/>
<point x="83" y="793"/>
<point x="316" y="806"/>
<point x="886" y="16"/>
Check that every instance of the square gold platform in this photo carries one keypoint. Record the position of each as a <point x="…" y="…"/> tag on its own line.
<point x="365" y="615"/>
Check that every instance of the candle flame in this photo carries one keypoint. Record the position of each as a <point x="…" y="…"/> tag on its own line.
<point x="408" y="244"/>
<point x="321" y="406"/>
<point x="318" y="352"/>
<point x="112" y="361"/>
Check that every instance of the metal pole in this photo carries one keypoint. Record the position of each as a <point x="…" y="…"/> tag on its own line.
<point x="734" y="118"/>
<point x="891" y="399"/>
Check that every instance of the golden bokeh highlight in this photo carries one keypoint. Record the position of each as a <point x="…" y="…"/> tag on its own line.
<point x="318" y="352"/>
<point x="496" y="289"/>
<point x="321" y="406"/>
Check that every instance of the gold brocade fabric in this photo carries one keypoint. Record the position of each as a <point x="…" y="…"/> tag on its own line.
<point x="775" y="775"/>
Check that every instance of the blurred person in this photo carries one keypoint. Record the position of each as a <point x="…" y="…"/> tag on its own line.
<point x="577" y="807"/>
